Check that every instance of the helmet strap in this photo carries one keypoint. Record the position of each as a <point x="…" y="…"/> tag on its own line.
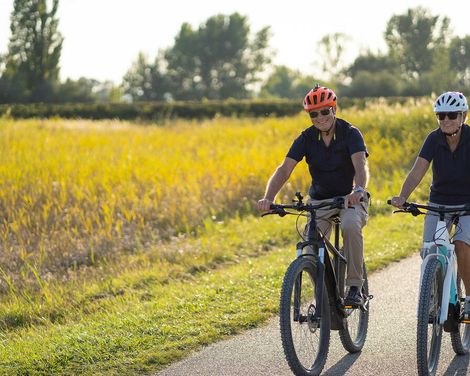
<point x="327" y="132"/>
<point x="453" y="134"/>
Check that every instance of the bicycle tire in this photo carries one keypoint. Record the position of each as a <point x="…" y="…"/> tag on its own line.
<point x="354" y="334"/>
<point x="429" y="307"/>
<point x="304" y="359"/>
<point x="461" y="338"/>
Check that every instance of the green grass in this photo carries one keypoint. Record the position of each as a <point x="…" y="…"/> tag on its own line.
<point x="144" y="318"/>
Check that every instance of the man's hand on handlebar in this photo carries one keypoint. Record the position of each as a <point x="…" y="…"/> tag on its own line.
<point x="264" y="204"/>
<point x="353" y="199"/>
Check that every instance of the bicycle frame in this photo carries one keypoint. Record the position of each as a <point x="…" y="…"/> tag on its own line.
<point x="327" y="272"/>
<point x="444" y="251"/>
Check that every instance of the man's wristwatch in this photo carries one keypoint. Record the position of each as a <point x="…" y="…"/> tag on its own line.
<point x="358" y="188"/>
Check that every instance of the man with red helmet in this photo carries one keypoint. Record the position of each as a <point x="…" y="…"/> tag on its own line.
<point x="336" y="154"/>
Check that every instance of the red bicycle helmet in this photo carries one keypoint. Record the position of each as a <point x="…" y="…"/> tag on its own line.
<point x="319" y="97"/>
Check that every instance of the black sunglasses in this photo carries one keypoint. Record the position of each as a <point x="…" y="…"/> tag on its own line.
<point x="450" y="115"/>
<point x="324" y="112"/>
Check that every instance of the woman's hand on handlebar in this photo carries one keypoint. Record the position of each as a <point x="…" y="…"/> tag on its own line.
<point x="264" y="204"/>
<point x="398" y="201"/>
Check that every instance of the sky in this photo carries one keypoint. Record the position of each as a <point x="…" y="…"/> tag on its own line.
<point x="102" y="38"/>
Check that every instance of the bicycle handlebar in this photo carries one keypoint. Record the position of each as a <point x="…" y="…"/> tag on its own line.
<point x="413" y="208"/>
<point x="280" y="209"/>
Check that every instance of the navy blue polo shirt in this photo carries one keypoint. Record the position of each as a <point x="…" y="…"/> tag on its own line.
<point x="330" y="166"/>
<point x="450" y="171"/>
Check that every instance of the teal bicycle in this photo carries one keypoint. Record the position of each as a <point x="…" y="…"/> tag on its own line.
<point x="441" y="295"/>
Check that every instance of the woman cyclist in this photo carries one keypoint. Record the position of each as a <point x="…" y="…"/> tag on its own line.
<point x="448" y="148"/>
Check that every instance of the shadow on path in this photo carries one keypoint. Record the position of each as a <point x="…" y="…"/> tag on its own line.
<point x="458" y="366"/>
<point x="342" y="365"/>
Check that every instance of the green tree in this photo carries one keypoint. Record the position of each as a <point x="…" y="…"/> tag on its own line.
<point x="413" y="37"/>
<point x="459" y="54"/>
<point x="332" y="49"/>
<point x="145" y="81"/>
<point x="79" y="91"/>
<point x="372" y="84"/>
<point x="218" y="60"/>
<point x="32" y="62"/>
<point x="287" y="83"/>
<point x="372" y="63"/>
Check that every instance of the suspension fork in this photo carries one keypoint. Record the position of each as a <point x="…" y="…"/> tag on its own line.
<point x="444" y="253"/>
<point x="338" y="263"/>
<point x="314" y="239"/>
<point x="297" y="295"/>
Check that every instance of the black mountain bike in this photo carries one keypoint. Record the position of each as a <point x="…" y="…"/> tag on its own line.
<point x="312" y="296"/>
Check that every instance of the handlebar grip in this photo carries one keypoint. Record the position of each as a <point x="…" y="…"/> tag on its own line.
<point x="389" y="202"/>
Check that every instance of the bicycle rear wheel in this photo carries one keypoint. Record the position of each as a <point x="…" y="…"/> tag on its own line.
<point x="429" y="331"/>
<point x="305" y="341"/>
<point x="461" y="338"/>
<point x="354" y="334"/>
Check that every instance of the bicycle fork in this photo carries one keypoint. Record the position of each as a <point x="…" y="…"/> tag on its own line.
<point x="446" y="256"/>
<point x="320" y="279"/>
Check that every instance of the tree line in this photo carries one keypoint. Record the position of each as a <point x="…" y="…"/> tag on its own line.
<point x="223" y="58"/>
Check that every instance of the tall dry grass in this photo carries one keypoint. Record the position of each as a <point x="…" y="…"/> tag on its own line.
<point x="74" y="192"/>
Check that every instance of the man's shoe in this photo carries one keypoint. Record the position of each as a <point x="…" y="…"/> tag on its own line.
<point x="354" y="296"/>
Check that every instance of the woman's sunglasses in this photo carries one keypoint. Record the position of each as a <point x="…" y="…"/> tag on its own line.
<point x="324" y="112"/>
<point x="450" y="115"/>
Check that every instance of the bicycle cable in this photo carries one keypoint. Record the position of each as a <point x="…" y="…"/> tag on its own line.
<point x="439" y="234"/>
<point x="297" y="225"/>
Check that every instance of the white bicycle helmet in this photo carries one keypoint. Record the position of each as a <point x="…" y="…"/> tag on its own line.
<point x="451" y="101"/>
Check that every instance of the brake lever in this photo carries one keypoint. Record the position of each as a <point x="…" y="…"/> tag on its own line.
<point x="414" y="212"/>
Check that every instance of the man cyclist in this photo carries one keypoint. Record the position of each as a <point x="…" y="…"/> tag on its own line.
<point x="448" y="148"/>
<point x="336" y="154"/>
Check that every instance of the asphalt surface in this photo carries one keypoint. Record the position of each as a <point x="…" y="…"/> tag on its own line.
<point x="390" y="348"/>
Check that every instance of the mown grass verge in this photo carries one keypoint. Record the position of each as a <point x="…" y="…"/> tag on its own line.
<point x="137" y="323"/>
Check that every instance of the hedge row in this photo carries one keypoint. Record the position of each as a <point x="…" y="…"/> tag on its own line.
<point x="165" y="110"/>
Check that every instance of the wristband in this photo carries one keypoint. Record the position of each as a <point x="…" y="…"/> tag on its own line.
<point x="358" y="188"/>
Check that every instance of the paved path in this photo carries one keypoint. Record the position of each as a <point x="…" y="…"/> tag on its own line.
<point x="389" y="348"/>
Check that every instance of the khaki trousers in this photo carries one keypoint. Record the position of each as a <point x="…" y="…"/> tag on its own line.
<point x="353" y="219"/>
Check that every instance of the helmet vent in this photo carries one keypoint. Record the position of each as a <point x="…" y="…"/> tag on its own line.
<point x="329" y="95"/>
<point x="315" y="99"/>
<point x="451" y="103"/>
<point x="322" y="97"/>
<point x="448" y="99"/>
<point x="308" y="100"/>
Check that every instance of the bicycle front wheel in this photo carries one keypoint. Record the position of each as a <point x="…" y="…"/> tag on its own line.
<point x="354" y="334"/>
<point x="429" y="331"/>
<point x="305" y="340"/>
<point x="461" y="338"/>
